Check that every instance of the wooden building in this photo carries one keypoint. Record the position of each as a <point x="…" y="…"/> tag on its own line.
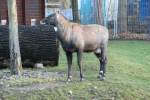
<point x="26" y="9"/>
<point x="31" y="9"/>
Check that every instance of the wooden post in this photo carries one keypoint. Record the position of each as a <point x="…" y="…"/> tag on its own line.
<point x="15" y="57"/>
<point x="75" y="11"/>
<point x="122" y="16"/>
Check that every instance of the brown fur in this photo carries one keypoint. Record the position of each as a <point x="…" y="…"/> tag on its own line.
<point x="85" y="37"/>
<point x="79" y="38"/>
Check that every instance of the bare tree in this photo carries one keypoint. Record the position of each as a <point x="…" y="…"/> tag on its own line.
<point x="15" y="56"/>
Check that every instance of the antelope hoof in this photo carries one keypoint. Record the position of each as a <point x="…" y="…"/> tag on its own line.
<point x="69" y="78"/>
<point x="102" y="78"/>
<point x="82" y="79"/>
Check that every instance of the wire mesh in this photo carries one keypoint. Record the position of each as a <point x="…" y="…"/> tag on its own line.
<point x="130" y="16"/>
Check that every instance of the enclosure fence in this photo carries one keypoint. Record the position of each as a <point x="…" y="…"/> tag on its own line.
<point x="120" y="16"/>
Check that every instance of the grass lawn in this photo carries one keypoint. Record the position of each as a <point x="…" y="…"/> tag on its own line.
<point x="127" y="78"/>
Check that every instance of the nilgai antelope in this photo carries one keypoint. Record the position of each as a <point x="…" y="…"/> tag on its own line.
<point x="79" y="38"/>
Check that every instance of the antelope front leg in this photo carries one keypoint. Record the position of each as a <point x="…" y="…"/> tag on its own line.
<point x="79" y="59"/>
<point x="69" y="60"/>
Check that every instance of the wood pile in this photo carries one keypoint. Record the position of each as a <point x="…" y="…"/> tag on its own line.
<point x="37" y="44"/>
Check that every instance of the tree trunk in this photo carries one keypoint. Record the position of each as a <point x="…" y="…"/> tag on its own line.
<point x="98" y="4"/>
<point x="122" y="16"/>
<point x="15" y="56"/>
<point x="74" y="4"/>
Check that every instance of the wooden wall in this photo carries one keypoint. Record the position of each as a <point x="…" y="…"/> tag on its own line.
<point x="33" y="10"/>
<point x="26" y="9"/>
<point x="20" y="11"/>
<point x="3" y="10"/>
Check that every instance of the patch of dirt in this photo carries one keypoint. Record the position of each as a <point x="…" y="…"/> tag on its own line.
<point x="40" y="86"/>
<point x="5" y="76"/>
<point x="30" y="74"/>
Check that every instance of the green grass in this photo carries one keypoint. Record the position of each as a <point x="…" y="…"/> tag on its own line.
<point x="127" y="78"/>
